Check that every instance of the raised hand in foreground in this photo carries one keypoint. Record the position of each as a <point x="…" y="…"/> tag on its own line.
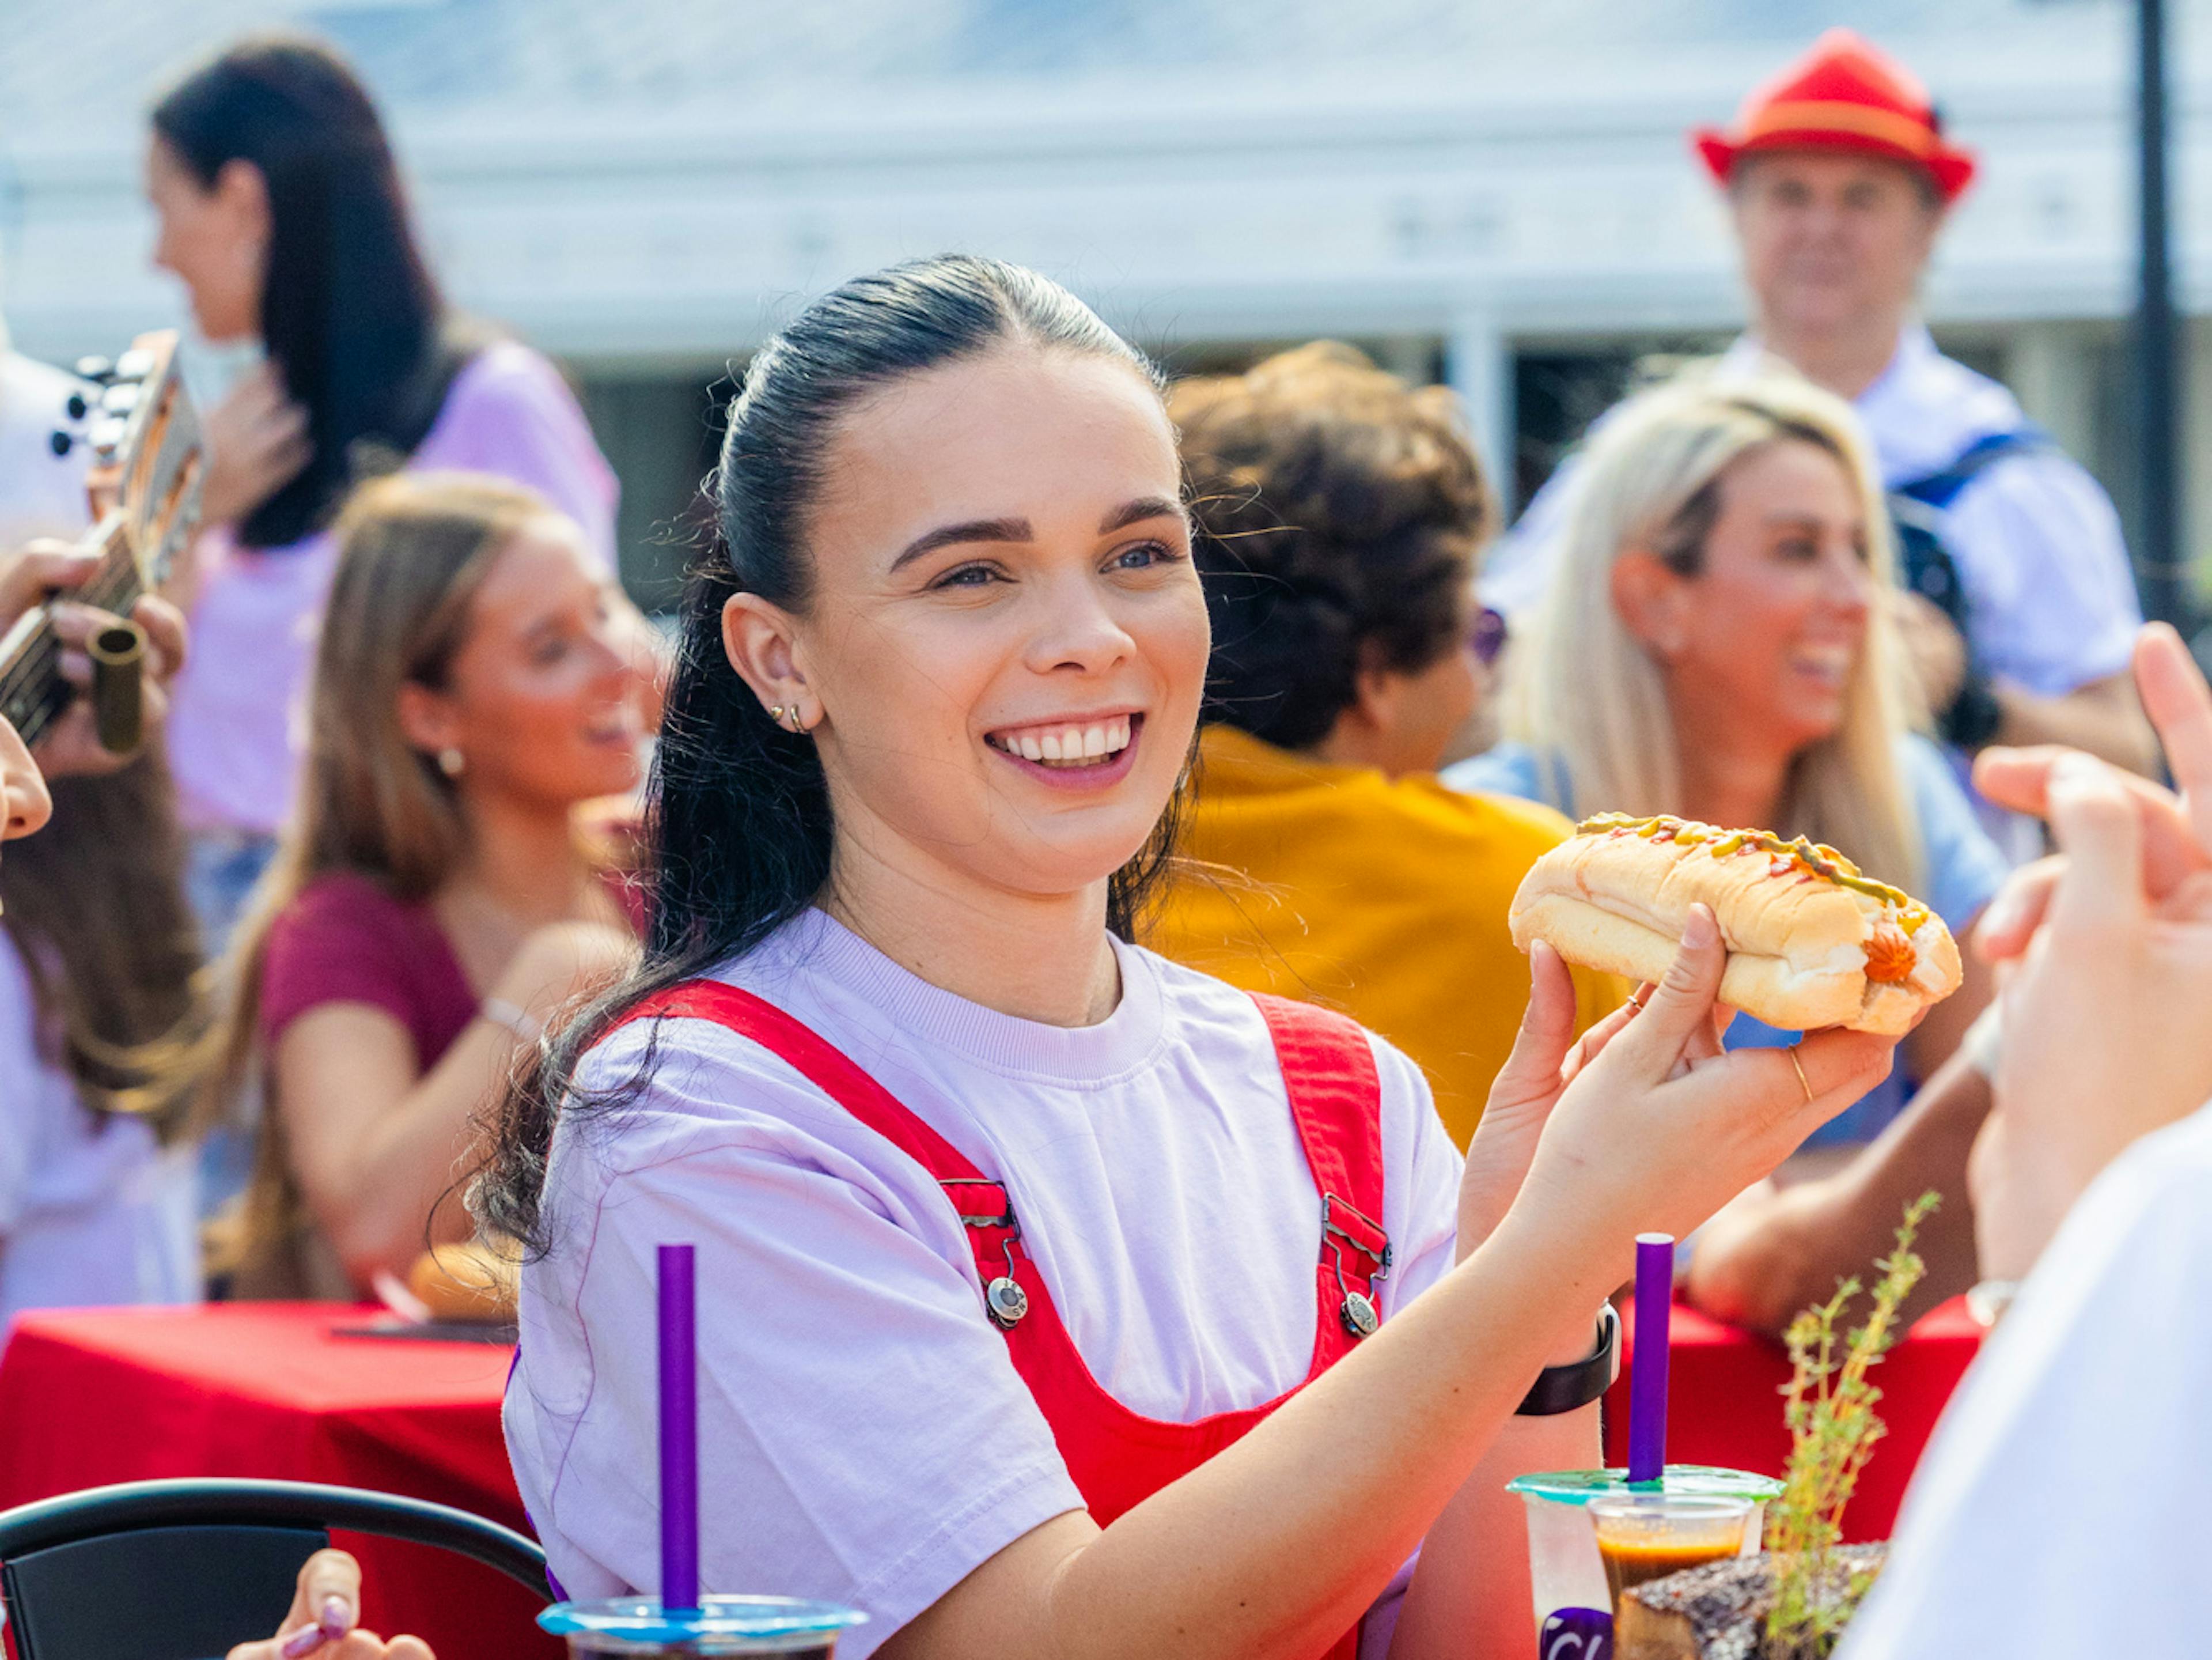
<point x="2107" y="1005"/>
<point x="321" y="1621"/>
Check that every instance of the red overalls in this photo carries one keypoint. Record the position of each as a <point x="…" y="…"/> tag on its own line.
<point x="1117" y="1457"/>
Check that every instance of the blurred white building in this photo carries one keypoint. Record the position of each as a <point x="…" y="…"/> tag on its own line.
<point x="1499" y="194"/>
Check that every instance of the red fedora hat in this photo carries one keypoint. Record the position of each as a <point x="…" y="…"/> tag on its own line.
<point x="1844" y="94"/>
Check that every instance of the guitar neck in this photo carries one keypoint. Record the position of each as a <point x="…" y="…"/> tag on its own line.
<point x="32" y="693"/>
<point x="144" y="487"/>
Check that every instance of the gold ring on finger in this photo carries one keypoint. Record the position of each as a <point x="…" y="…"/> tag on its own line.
<point x="1798" y="1067"/>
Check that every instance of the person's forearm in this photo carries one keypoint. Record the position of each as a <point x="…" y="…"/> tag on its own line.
<point x="1763" y="1260"/>
<point x="2104" y="718"/>
<point x="1471" y="1593"/>
<point x="1299" y="1527"/>
<point x="388" y="1208"/>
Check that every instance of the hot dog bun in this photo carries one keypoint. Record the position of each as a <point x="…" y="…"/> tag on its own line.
<point x="1811" y="942"/>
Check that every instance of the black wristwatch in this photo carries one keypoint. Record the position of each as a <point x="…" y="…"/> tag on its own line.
<point x="1565" y="1389"/>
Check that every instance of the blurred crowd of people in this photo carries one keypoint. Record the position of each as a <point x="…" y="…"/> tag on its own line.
<point x="262" y="983"/>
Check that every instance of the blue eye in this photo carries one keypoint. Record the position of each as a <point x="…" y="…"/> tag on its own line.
<point x="966" y="576"/>
<point x="1144" y="555"/>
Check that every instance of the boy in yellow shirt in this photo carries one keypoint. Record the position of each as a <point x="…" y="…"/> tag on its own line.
<point x="1339" y="512"/>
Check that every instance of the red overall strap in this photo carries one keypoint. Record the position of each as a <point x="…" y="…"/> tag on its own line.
<point x="982" y="1204"/>
<point x="814" y="1059"/>
<point x="1328" y="1071"/>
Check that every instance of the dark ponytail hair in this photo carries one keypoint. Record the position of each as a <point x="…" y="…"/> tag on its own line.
<point x="349" y="313"/>
<point x="740" y="829"/>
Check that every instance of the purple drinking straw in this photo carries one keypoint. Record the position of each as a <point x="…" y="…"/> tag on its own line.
<point x="679" y="1434"/>
<point x="1647" y="1387"/>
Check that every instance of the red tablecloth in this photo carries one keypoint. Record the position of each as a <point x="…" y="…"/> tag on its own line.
<point x="266" y="1390"/>
<point x="1724" y="1403"/>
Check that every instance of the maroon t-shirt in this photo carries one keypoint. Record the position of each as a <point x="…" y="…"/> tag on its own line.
<point x="343" y="939"/>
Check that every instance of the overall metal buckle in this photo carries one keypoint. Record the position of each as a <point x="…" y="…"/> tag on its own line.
<point x="1358" y="1312"/>
<point x="1004" y="1300"/>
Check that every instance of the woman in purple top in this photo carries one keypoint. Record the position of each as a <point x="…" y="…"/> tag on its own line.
<point x="281" y="211"/>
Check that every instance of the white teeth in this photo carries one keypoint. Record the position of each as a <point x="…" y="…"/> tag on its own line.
<point x="1068" y="745"/>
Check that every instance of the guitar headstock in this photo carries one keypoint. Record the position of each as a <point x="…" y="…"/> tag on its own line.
<point x="149" y="454"/>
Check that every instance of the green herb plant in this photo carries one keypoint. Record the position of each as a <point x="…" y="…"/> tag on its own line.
<point x="1833" y="1433"/>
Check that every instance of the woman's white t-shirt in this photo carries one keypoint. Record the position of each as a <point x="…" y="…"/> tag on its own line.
<point x="863" y="1437"/>
<point x="93" y="1212"/>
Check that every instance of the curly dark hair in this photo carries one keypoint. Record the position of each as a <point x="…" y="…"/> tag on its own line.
<point x="1339" y="512"/>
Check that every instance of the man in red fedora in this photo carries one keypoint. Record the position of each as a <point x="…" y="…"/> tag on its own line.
<point x="1840" y="177"/>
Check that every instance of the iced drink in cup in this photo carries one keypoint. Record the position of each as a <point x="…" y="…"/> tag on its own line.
<point x="1649" y="1535"/>
<point x="639" y="1625"/>
<point x="1567" y="1576"/>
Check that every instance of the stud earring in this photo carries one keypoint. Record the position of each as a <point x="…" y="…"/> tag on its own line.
<point x="450" y="762"/>
<point x="776" y="714"/>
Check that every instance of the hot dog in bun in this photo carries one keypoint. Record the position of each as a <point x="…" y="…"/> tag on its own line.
<point x="1811" y="941"/>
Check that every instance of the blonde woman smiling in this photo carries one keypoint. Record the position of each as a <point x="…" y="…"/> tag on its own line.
<point x="1716" y="642"/>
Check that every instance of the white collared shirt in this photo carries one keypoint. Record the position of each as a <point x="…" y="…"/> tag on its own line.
<point x="2051" y="602"/>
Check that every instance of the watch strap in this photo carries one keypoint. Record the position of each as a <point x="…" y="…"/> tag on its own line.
<point x="1572" y="1387"/>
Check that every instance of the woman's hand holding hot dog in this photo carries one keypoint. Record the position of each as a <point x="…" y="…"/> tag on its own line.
<point x="1705" y="1123"/>
<point x="2108" y="952"/>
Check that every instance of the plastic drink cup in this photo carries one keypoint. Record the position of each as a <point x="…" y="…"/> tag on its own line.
<point x="638" y="1626"/>
<point x="1567" y="1576"/>
<point x="1649" y="1535"/>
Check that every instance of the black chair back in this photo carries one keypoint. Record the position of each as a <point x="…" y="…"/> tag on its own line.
<point x="184" y="1570"/>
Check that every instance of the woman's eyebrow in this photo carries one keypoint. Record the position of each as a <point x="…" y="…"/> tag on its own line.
<point x="973" y="530"/>
<point x="1145" y="507"/>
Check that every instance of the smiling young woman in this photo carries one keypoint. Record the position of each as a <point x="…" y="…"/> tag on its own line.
<point x="433" y="901"/>
<point x="1062" y="1300"/>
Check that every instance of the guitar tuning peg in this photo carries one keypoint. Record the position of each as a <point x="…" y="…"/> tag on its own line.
<point x="107" y="437"/>
<point x="134" y="366"/>
<point x="120" y="399"/>
<point x="98" y="370"/>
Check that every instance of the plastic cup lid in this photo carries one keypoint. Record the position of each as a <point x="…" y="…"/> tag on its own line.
<point x="642" y="1619"/>
<point x="1704" y="1481"/>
